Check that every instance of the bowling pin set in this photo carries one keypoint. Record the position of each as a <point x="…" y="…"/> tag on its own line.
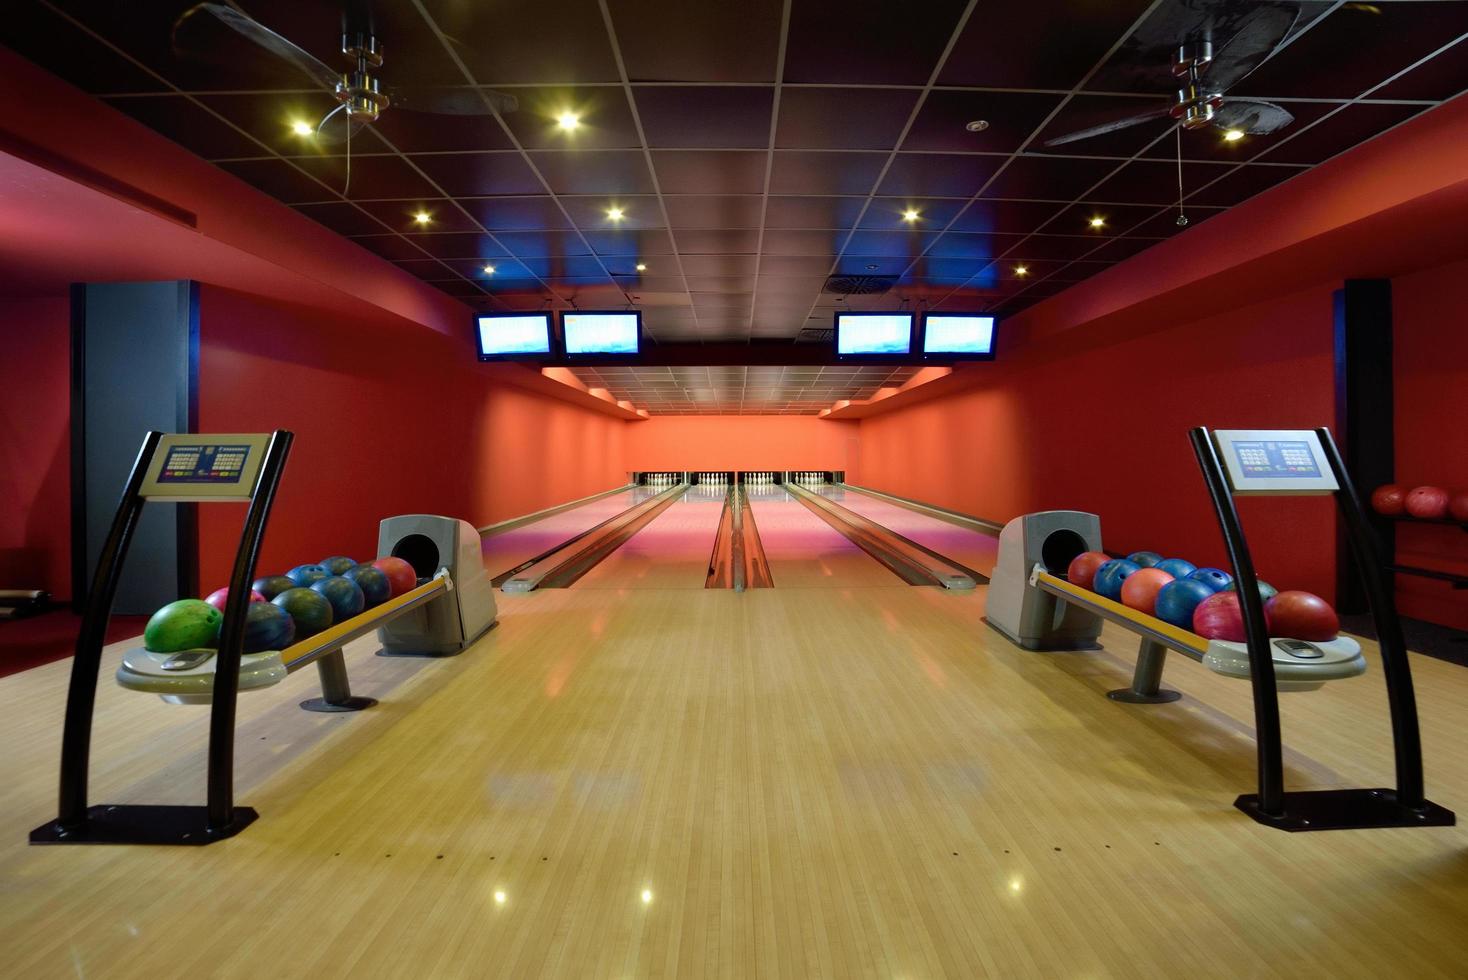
<point x="810" y="478"/>
<point x="663" y="479"/>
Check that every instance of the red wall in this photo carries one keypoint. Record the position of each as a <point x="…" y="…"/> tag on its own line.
<point x="387" y="421"/>
<point x="742" y="442"/>
<point x="1430" y="367"/>
<point x="35" y="445"/>
<point x="1105" y="430"/>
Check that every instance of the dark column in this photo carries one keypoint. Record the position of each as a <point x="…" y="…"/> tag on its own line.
<point x="1365" y="412"/>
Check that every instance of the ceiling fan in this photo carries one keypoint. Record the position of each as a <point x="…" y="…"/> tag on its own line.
<point x="361" y="96"/>
<point x="1209" y="47"/>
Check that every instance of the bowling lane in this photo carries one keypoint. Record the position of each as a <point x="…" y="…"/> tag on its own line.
<point x="507" y="549"/>
<point x="672" y="552"/>
<point x="977" y="550"/>
<point x="806" y="552"/>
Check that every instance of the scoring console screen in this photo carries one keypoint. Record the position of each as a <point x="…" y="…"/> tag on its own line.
<point x="204" y="464"/>
<point x="1276" y="459"/>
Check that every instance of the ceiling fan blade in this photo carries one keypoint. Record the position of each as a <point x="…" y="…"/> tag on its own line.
<point x="338" y="126"/>
<point x="453" y="101"/>
<point x="1252" y="116"/>
<point x="186" y="39"/>
<point x="1144" y="62"/>
<point x="1115" y="125"/>
<point x="1254" y="41"/>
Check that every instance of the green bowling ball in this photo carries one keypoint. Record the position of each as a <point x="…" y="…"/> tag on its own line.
<point x="183" y="625"/>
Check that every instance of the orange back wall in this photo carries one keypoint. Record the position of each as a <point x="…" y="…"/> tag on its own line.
<point x="742" y="442"/>
<point x="1105" y="430"/>
<point x="1430" y="385"/>
<point x="388" y="421"/>
<point x="35" y="445"/>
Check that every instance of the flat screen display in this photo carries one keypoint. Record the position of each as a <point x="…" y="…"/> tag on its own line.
<point x="873" y="334"/>
<point x="590" y="334"/>
<point x="509" y="335"/>
<point x="958" y="335"/>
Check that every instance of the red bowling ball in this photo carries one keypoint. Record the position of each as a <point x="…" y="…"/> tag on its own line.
<point x="1430" y="503"/>
<point x="399" y="574"/>
<point x="1389" y="499"/>
<point x="1219" y="617"/>
<point x="219" y="597"/>
<point x="1140" y="590"/>
<point x="1082" y="570"/>
<point x="1302" y="616"/>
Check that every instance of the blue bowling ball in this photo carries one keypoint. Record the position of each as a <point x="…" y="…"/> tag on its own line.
<point x="373" y="582"/>
<point x="1111" y="575"/>
<point x="1177" y="567"/>
<point x="1178" y="599"/>
<point x="1144" y="559"/>
<point x="1215" y="578"/>
<point x="337" y="564"/>
<point x="306" y="575"/>
<point x="345" y="596"/>
<point x="268" y="627"/>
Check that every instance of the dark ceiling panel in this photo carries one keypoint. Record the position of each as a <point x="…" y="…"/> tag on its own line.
<point x="281" y="180"/>
<point x="1029" y="44"/>
<point x="480" y="174"/>
<point x="344" y="219"/>
<point x="715" y="212"/>
<point x="460" y="245"/>
<point x="813" y="212"/>
<point x="191" y="126"/>
<point x="1338" y="132"/>
<point x="528" y="42"/>
<point x="705" y="31"/>
<point x="942" y="124"/>
<point x="797" y="172"/>
<point x="707" y="116"/>
<point x="868" y="43"/>
<point x="611" y="172"/>
<point x="938" y="175"/>
<point x="1440" y="79"/>
<point x="716" y="242"/>
<point x="624" y="242"/>
<point x="374" y="177"/>
<point x="1152" y="181"/>
<point x="517" y="213"/>
<point x="1239" y="184"/>
<point x="1046" y="178"/>
<point x="709" y="171"/>
<point x="71" y="52"/>
<point x="843" y="118"/>
<point x="1004" y="216"/>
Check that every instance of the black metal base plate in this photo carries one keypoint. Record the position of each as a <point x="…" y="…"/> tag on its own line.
<point x="110" y="823"/>
<point x="1346" y="809"/>
<point x="324" y="706"/>
<point x="1128" y="696"/>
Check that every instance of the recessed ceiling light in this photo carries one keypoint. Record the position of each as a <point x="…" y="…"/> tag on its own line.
<point x="1021" y="270"/>
<point x="977" y="126"/>
<point x="423" y="217"/>
<point x="568" y="120"/>
<point x="489" y="270"/>
<point x="301" y="128"/>
<point x="1097" y="221"/>
<point x="910" y="215"/>
<point x="642" y="267"/>
<point x="1233" y="135"/>
<point x="616" y="214"/>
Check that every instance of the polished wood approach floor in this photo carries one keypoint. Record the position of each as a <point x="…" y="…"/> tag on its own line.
<point x="824" y="782"/>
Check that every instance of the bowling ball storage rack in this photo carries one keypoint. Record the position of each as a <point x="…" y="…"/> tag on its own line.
<point x="1301" y="462"/>
<point x="175" y="467"/>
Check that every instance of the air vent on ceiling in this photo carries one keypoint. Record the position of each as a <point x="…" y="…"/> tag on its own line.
<point x="814" y="335"/>
<point x="859" y="285"/>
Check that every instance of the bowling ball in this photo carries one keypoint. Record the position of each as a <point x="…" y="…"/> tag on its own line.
<point x="1302" y="616"/>
<point x="1389" y="499"/>
<point x="345" y="597"/>
<point x="272" y="585"/>
<point x="337" y="564"/>
<point x="1140" y="589"/>
<point x="399" y="573"/>
<point x="268" y="627"/>
<point x="1110" y="576"/>
<point x="219" y="597"/>
<point x="1082" y="570"/>
<point x="1458" y="506"/>
<point x="1178" y="599"/>
<point x="183" y="625"/>
<point x="1144" y="559"/>
<point x="310" y="610"/>
<point x="1215" y="578"/>
<point x="1266" y="591"/>
<point x="304" y="575"/>
<point x="373" y="583"/>
<point x="1426" y="502"/>
<point x="1177" y="567"/>
<point x="1218" y="617"/>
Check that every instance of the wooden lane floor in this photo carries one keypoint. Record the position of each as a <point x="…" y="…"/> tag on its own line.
<point x="788" y="782"/>
<point x="672" y="552"/>
<point x="975" y="549"/>
<point x="804" y="551"/>
<point x="505" y="549"/>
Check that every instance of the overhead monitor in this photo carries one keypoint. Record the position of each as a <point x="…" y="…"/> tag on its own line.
<point x="602" y="334"/>
<point x="506" y="336"/>
<point x="959" y="336"/>
<point x="874" y="335"/>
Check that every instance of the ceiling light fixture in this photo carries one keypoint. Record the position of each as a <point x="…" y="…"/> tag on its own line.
<point x="568" y="120"/>
<point x="1097" y="221"/>
<point x="422" y="217"/>
<point x="1232" y="135"/>
<point x="301" y="128"/>
<point x="977" y="126"/>
<point x="642" y="267"/>
<point x="1021" y="270"/>
<point x="615" y="214"/>
<point x="910" y="215"/>
<point x="489" y="270"/>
